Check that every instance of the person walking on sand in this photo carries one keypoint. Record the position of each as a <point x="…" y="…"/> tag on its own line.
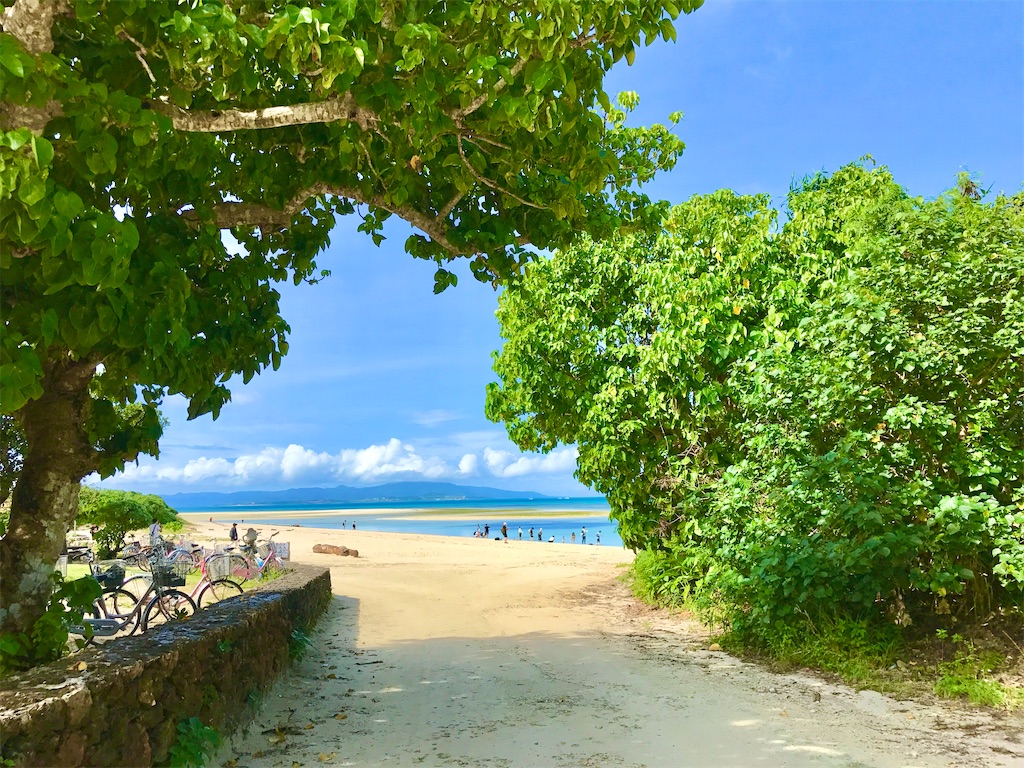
<point x="583" y="535"/>
<point x="520" y="533"/>
<point x="572" y="538"/>
<point x="504" y="531"/>
<point x="233" y="535"/>
<point x="154" y="533"/>
<point x="598" y="537"/>
<point x="540" y="534"/>
<point x="531" y="533"/>
<point x="487" y="530"/>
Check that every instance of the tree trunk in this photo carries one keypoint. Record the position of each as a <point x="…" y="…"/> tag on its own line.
<point x="45" y="499"/>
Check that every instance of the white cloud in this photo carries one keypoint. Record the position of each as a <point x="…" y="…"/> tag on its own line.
<point x="505" y="464"/>
<point x="297" y="465"/>
<point x="433" y="418"/>
<point x="468" y="464"/>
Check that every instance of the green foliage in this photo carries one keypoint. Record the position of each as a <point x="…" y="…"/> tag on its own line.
<point x="968" y="675"/>
<point x="856" y="649"/>
<point x="195" y="745"/>
<point x="298" y="644"/>
<point x="48" y="639"/>
<point x="120" y="512"/>
<point x="794" y="420"/>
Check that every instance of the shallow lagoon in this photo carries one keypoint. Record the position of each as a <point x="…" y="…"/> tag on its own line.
<point x="557" y="517"/>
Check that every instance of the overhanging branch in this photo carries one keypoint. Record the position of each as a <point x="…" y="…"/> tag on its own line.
<point x="223" y="121"/>
<point x="253" y="215"/>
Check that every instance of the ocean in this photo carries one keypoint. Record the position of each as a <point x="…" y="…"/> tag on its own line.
<point x="556" y="517"/>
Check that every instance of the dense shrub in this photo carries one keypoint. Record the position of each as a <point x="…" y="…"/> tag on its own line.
<point x="818" y="420"/>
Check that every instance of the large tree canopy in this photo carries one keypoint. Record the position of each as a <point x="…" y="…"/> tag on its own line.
<point x="823" y="415"/>
<point x="163" y="164"/>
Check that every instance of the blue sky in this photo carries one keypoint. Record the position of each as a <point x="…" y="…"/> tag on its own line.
<point x="385" y="381"/>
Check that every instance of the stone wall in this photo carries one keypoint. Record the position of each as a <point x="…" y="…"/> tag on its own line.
<point x="120" y="703"/>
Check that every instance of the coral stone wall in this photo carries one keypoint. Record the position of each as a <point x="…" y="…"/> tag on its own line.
<point x="119" y="704"/>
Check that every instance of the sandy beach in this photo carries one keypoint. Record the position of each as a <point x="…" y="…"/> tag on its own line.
<point x="444" y="651"/>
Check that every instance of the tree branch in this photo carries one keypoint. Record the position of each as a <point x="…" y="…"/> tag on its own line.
<point x="30" y="22"/>
<point x="483" y="98"/>
<point x="446" y="211"/>
<point x="479" y="101"/>
<point x="217" y="121"/>
<point x="487" y="182"/>
<point x="252" y="215"/>
<point x="140" y="53"/>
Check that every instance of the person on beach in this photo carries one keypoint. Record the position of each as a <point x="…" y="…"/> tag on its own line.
<point x="572" y="538"/>
<point x="540" y="534"/>
<point x="520" y="533"/>
<point x="531" y="533"/>
<point x="233" y="535"/>
<point x="583" y="535"/>
<point x="504" y="531"/>
<point x="598" y="537"/>
<point x="154" y="533"/>
<point x="487" y="530"/>
<point x="353" y="525"/>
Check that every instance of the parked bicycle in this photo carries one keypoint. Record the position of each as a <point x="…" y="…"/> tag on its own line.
<point x="119" y="612"/>
<point x="211" y="587"/>
<point x="253" y="560"/>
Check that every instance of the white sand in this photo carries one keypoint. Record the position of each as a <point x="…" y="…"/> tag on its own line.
<point x="442" y="651"/>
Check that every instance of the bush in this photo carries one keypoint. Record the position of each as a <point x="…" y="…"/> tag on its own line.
<point x="117" y="513"/>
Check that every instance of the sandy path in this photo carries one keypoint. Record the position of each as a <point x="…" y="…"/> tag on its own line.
<point x="459" y="652"/>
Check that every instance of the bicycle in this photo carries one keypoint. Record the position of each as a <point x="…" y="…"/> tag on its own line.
<point x="208" y="590"/>
<point x="118" y="611"/>
<point x="255" y="560"/>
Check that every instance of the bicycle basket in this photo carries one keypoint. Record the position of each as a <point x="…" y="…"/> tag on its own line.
<point x="224" y="566"/>
<point x="170" y="574"/>
<point x="110" y="573"/>
<point x="263" y="550"/>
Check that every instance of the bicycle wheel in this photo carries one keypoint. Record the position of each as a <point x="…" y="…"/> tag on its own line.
<point x="228" y="565"/>
<point x="273" y="568"/>
<point x="145" y="555"/>
<point x="169" y="605"/>
<point x="138" y="585"/>
<point x="118" y="605"/>
<point x="218" y="590"/>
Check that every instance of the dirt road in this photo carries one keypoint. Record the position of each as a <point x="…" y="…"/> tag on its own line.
<point x="449" y="652"/>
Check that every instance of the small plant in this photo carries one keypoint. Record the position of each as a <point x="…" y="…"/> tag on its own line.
<point x="298" y="645"/>
<point x="967" y="675"/>
<point x="69" y="602"/>
<point x="195" y="745"/>
<point x="225" y="646"/>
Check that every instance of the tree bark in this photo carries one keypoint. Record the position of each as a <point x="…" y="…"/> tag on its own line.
<point x="45" y="500"/>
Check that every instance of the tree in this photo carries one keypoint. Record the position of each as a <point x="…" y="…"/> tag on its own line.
<point x="142" y="140"/>
<point x="120" y="512"/>
<point x="800" y="419"/>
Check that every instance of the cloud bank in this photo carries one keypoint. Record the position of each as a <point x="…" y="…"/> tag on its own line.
<point x="297" y="465"/>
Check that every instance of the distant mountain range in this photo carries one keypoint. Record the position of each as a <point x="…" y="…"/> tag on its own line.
<point x="405" y="491"/>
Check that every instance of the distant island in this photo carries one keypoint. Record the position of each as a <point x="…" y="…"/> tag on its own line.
<point x="388" y="492"/>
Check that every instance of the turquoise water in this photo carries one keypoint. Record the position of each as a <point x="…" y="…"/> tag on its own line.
<point x="556" y="517"/>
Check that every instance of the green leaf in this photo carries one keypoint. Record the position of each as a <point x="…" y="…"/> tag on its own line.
<point x="43" y="151"/>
